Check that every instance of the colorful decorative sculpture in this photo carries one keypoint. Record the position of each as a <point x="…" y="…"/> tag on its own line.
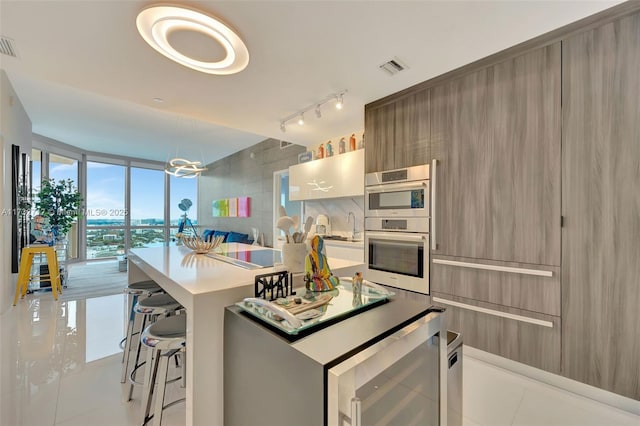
<point x="317" y="269"/>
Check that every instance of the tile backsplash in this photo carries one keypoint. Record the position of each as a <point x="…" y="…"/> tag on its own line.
<point x="337" y="209"/>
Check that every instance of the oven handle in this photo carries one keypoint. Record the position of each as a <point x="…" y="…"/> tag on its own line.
<point x="395" y="186"/>
<point x="434" y="165"/>
<point x="396" y="236"/>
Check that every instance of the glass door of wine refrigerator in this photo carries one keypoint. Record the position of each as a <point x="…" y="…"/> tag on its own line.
<point x="399" y="380"/>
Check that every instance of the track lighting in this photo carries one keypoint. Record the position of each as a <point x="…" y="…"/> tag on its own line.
<point x="299" y="115"/>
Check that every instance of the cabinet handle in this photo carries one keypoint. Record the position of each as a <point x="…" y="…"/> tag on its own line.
<point x="356" y="412"/>
<point x="498" y="268"/>
<point x="494" y="312"/>
<point x="434" y="165"/>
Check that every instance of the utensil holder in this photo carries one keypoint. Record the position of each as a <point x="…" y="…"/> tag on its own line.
<point x="293" y="256"/>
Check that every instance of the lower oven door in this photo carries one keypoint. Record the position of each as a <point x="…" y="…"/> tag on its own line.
<point x="398" y="259"/>
<point x="394" y="381"/>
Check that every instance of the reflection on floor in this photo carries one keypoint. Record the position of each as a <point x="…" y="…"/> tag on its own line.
<point x="60" y="365"/>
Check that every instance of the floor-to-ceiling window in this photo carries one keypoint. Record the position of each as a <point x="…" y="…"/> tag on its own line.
<point x="128" y="202"/>
<point x="147" y="213"/>
<point x="106" y="210"/>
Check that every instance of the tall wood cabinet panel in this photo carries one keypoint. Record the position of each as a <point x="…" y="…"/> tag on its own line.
<point x="379" y="132"/>
<point x="496" y="135"/>
<point x="412" y="130"/>
<point x="601" y="204"/>
<point x="397" y="134"/>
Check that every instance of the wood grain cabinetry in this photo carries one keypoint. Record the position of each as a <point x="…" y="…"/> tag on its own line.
<point x="379" y="132"/>
<point x="397" y="134"/>
<point x="601" y="204"/>
<point x="529" y="287"/>
<point x="522" y="336"/>
<point x="538" y="168"/>
<point x="496" y="135"/>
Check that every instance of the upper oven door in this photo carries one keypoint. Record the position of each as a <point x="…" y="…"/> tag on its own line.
<point x="407" y="199"/>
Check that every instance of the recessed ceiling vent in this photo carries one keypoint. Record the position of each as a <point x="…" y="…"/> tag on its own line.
<point x="285" y="144"/>
<point x="393" y="66"/>
<point x="6" y="47"/>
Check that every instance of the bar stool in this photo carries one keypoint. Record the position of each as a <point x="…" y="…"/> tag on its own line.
<point x="24" y="273"/>
<point x="165" y="338"/>
<point x="150" y="308"/>
<point x="134" y="292"/>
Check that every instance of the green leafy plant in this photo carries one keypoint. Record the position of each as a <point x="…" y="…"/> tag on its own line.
<point x="59" y="202"/>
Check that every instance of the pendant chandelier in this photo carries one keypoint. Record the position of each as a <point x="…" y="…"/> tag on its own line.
<point x="182" y="168"/>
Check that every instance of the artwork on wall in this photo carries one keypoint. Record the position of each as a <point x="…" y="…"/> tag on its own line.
<point x="243" y="207"/>
<point x="231" y="207"/>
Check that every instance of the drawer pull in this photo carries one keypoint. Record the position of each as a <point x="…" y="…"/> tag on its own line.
<point x="494" y="312"/>
<point x="494" y="267"/>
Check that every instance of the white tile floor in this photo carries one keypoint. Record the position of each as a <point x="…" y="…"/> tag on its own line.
<point x="60" y="365"/>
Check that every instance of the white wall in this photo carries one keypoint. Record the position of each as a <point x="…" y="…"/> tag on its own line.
<point x="15" y="129"/>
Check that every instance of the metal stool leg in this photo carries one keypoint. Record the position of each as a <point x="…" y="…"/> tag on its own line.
<point x="131" y="300"/>
<point x="127" y="346"/>
<point x="137" y="360"/>
<point x="162" y="385"/>
<point x="153" y="358"/>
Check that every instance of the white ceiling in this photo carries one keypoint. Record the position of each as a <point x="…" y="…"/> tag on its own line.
<point x="86" y="77"/>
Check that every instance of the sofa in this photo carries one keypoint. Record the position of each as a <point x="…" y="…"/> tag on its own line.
<point x="229" y="236"/>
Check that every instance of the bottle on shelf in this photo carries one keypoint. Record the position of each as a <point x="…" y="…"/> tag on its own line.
<point x="329" y="149"/>
<point x="352" y="142"/>
<point x="362" y="142"/>
<point x="342" y="146"/>
<point x="321" y="151"/>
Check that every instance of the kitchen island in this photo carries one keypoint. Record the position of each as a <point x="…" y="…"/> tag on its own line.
<point x="205" y="286"/>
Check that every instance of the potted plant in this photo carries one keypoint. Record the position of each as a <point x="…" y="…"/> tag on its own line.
<point x="58" y="202"/>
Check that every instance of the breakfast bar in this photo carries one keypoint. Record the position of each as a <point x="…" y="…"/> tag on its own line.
<point x="205" y="285"/>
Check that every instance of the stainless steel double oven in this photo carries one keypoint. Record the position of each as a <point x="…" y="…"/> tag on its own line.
<point x="397" y="228"/>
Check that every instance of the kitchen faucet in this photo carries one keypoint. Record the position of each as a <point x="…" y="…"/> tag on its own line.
<point x="353" y="232"/>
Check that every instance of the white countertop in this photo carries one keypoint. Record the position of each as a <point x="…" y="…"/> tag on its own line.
<point x="198" y="273"/>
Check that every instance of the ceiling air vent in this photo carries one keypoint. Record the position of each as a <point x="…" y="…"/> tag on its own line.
<point x="393" y="66"/>
<point x="285" y="144"/>
<point x="6" y="47"/>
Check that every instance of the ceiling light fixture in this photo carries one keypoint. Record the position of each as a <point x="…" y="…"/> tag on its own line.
<point x="156" y="23"/>
<point x="299" y="115"/>
<point x="179" y="167"/>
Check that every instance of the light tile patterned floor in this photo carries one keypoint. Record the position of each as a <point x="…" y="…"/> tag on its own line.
<point x="60" y="365"/>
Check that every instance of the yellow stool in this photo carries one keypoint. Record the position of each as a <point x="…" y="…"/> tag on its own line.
<point x="24" y="274"/>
